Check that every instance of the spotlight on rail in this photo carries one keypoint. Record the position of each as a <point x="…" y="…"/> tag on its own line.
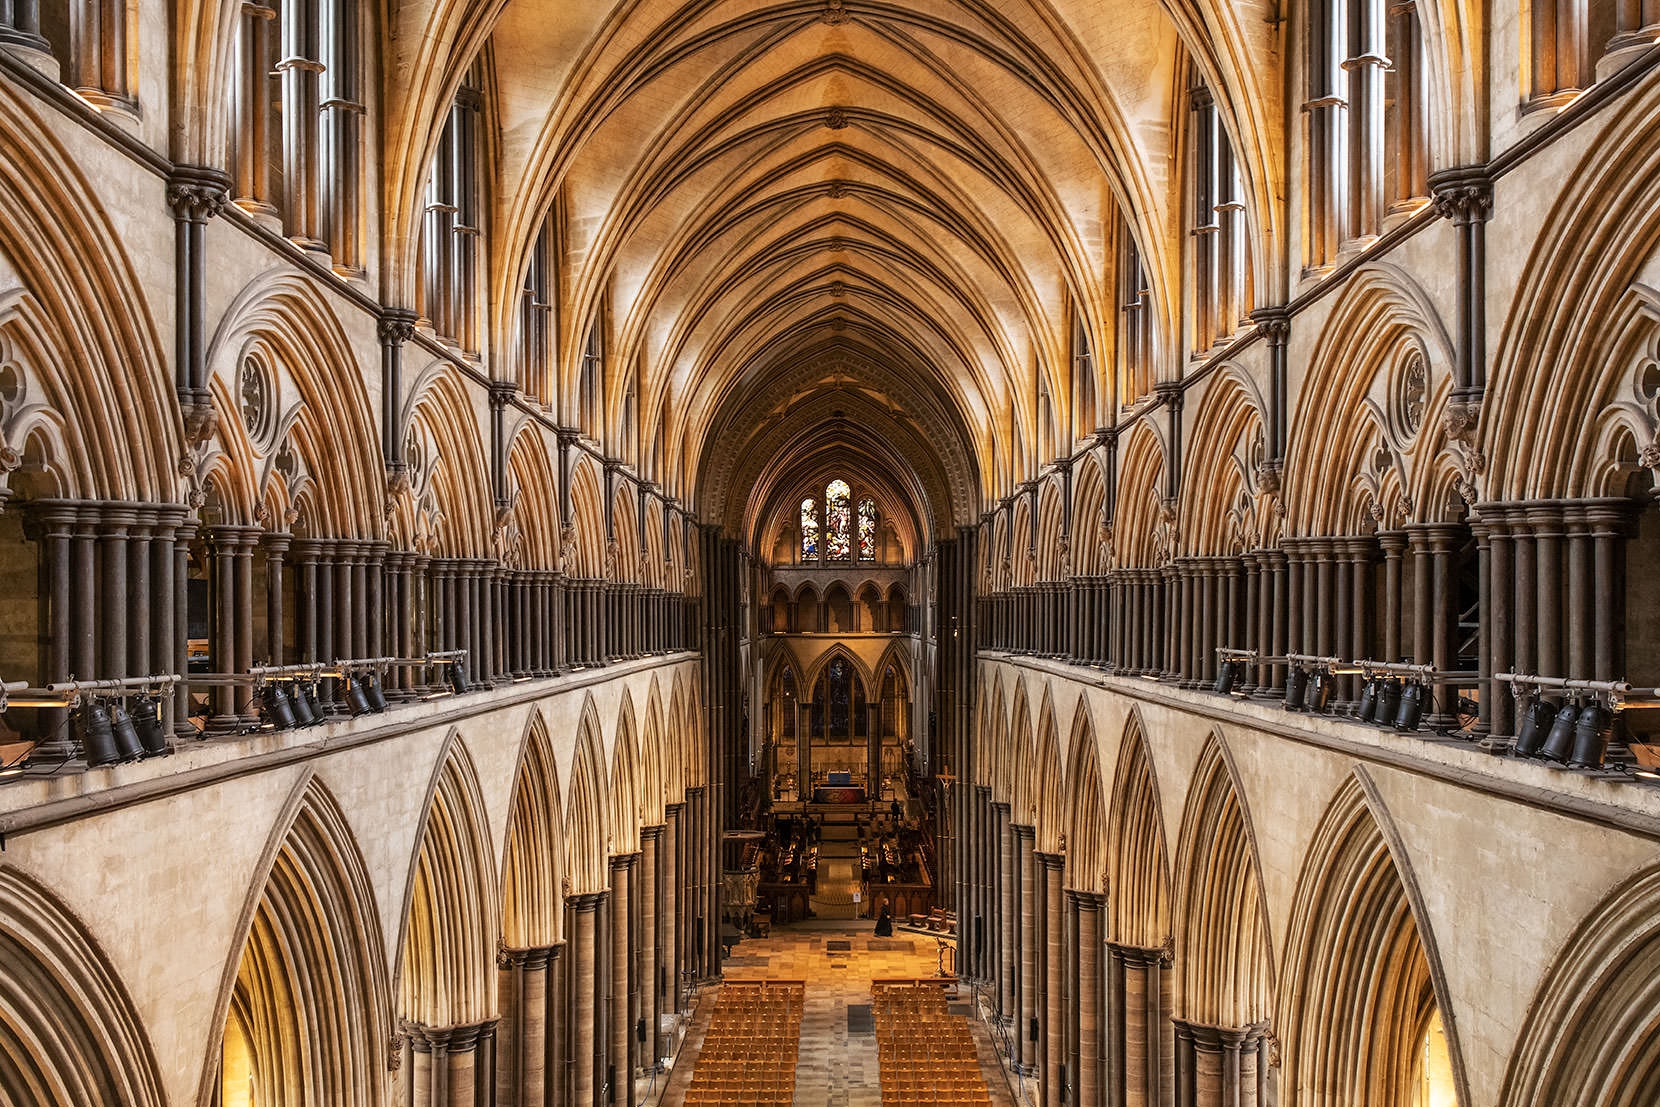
<point x="147" y="718"/>
<point x="357" y="700"/>
<point x="456" y="673"/>
<point x="1536" y="722"/>
<point x="304" y="701"/>
<point x="279" y="708"/>
<point x="1410" y="713"/>
<point x="97" y="739"/>
<point x="1368" y="705"/>
<point x="127" y="745"/>
<point x="1389" y="703"/>
<point x="1559" y="742"/>
<point x="1296" y="688"/>
<point x="1227" y="675"/>
<point x="1591" y="734"/>
<point x="372" y="689"/>
<point x="1319" y="690"/>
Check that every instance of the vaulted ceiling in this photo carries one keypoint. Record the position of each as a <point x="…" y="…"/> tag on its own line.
<point x="841" y="229"/>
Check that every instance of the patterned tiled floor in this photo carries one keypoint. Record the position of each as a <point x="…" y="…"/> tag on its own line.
<point x="836" y="1068"/>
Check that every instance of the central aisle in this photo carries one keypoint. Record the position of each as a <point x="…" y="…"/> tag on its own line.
<point x="838" y="1064"/>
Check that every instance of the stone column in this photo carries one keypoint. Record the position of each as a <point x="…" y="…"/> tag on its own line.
<point x="524" y="1040"/>
<point x="1140" y="1032"/>
<point x="585" y="1010"/>
<point x="1087" y="1080"/>
<point x="651" y="840"/>
<point x="451" y="1066"/>
<point x="1054" y="963"/>
<point x="668" y="924"/>
<point x="621" y="1032"/>
<point x="1029" y="886"/>
<point x="1008" y="883"/>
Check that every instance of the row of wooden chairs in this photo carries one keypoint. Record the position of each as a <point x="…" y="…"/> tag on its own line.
<point x="928" y="1055"/>
<point x="749" y="1051"/>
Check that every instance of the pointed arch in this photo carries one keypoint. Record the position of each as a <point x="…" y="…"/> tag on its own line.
<point x="532" y="896"/>
<point x="585" y="557"/>
<point x="1049" y="794"/>
<point x="1592" y="1036"/>
<point x="587" y="821"/>
<point x="839" y="649"/>
<point x="69" y="1036"/>
<point x="1362" y="994"/>
<point x="1022" y="765"/>
<point x="653" y="759"/>
<point x="1138" y="860"/>
<point x="446" y="971"/>
<point x="1086" y="818"/>
<point x="306" y="1016"/>
<point x="624" y="792"/>
<point x="1224" y="953"/>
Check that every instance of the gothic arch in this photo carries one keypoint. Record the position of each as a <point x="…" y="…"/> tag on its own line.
<point x="1141" y="537"/>
<point x="304" y="1011"/>
<point x="1352" y="446"/>
<point x="1049" y="789"/>
<point x="446" y="970"/>
<point x="69" y="1036"/>
<point x="1219" y="475"/>
<point x="1224" y="952"/>
<point x="1089" y="517"/>
<point x="587" y="819"/>
<point x="1363" y="991"/>
<point x="1592" y="1036"/>
<point x="653" y="759"/>
<point x="533" y="487"/>
<point x="624" y="791"/>
<point x="449" y="477"/>
<point x="533" y="876"/>
<point x="1556" y="361"/>
<point x="1020" y="754"/>
<point x="585" y="557"/>
<point x="1086" y="821"/>
<point x="839" y="649"/>
<point x="1137" y="859"/>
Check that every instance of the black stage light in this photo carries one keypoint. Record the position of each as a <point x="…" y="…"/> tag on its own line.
<point x="147" y="718"/>
<point x="279" y="709"/>
<point x="1591" y="734"/>
<point x="1319" y="690"/>
<point x="357" y="701"/>
<point x="371" y="689"/>
<point x="1227" y="674"/>
<point x="1296" y="688"/>
<point x="1411" y="711"/>
<point x="456" y="672"/>
<point x="307" y="712"/>
<point x="127" y="745"/>
<point x="1536" y="723"/>
<point x="1368" y="700"/>
<point x="1559" y="743"/>
<point x="97" y="739"/>
<point x="1389" y="703"/>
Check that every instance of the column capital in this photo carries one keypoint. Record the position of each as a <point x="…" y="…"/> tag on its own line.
<point x="1463" y="194"/>
<point x="197" y="193"/>
<point x="1273" y="323"/>
<point x="396" y="326"/>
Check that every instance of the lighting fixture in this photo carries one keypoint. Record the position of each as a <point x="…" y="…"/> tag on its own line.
<point x="1591" y="734"/>
<point x="279" y="709"/>
<point x="147" y="719"/>
<point x="97" y="739"/>
<point x="372" y="690"/>
<point x="304" y="702"/>
<point x="1319" y="690"/>
<point x="127" y="745"/>
<point x="1227" y="675"/>
<point x="1411" y="710"/>
<point x="1536" y="723"/>
<point x="1368" y="700"/>
<point x="357" y="701"/>
<point x="1389" y="703"/>
<point x="1296" y="688"/>
<point x="1560" y="741"/>
<point x="456" y="673"/>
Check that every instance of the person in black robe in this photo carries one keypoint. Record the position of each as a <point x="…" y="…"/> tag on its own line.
<point x="884" y="922"/>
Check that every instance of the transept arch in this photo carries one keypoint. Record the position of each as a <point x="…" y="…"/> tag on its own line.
<point x="69" y="1036"/>
<point x="1363" y="994"/>
<point x="446" y="970"/>
<point x="306" y="1016"/>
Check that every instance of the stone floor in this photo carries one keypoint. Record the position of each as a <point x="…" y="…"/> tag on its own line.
<point x="837" y="1068"/>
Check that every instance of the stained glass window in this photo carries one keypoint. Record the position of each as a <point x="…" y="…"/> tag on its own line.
<point x="867" y="529"/>
<point x="809" y="530"/>
<point x="838" y="536"/>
